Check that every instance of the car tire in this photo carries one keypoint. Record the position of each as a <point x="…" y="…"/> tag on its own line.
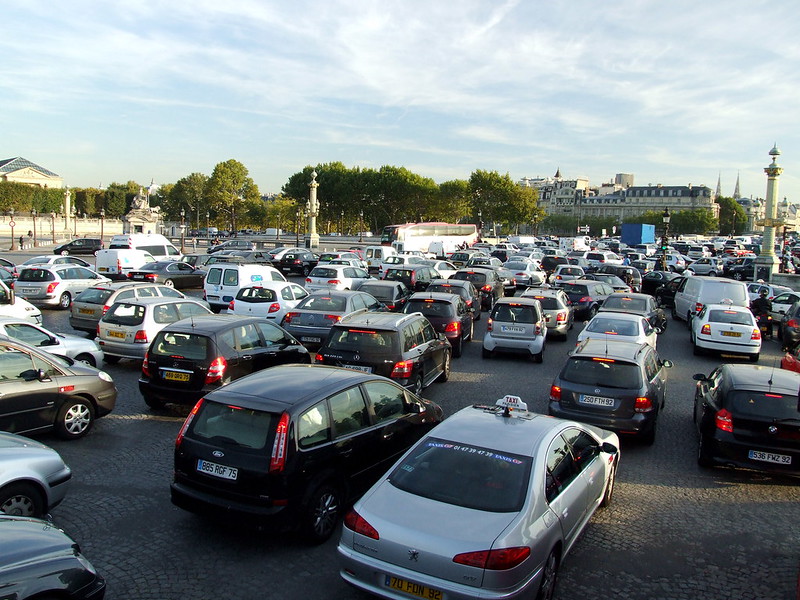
<point x="448" y="363"/>
<point x="539" y="356"/>
<point x="674" y="313"/>
<point x="87" y="358"/>
<point x="153" y="403"/>
<point x="547" y="587"/>
<point x="111" y="360"/>
<point x="650" y="437"/>
<point x="416" y="384"/>
<point x="754" y="358"/>
<point x="711" y="274"/>
<point x="321" y="514"/>
<point x="75" y="418"/>
<point x="169" y="283"/>
<point x="486" y="353"/>
<point x="65" y="253"/>
<point x="703" y="457"/>
<point x="22" y="499"/>
<point x="608" y="494"/>
<point x="662" y="327"/>
<point x="64" y="301"/>
<point x="738" y="276"/>
<point x="471" y="332"/>
<point x="592" y="313"/>
<point x="458" y="347"/>
<point x="95" y="252"/>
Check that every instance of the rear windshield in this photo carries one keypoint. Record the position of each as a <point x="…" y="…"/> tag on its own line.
<point x="323" y="303"/>
<point x="123" y="313"/>
<point x="446" y="289"/>
<point x="578" y="288"/>
<point x="548" y="302"/>
<point x="716" y="291"/>
<point x="516" y="266"/>
<point x="255" y="294"/>
<point x="514" y="313"/>
<point x="357" y="339"/>
<point x="322" y="272"/>
<point x="571" y="271"/>
<point x="381" y="292"/>
<point x="94" y="296"/>
<point x="762" y="404"/>
<point x="430" y="308"/>
<point x="180" y="345"/>
<point x="602" y="372"/>
<point x="464" y="475"/>
<point x="36" y="275"/>
<point x="626" y="303"/>
<point x="612" y="326"/>
<point x="234" y="426"/>
<point x="473" y="277"/>
<point x="730" y="316"/>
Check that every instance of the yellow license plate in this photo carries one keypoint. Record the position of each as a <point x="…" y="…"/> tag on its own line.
<point x="415" y="589"/>
<point x="117" y="334"/>
<point x="173" y="376"/>
<point x="731" y="334"/>
<point x="86" y="311"/>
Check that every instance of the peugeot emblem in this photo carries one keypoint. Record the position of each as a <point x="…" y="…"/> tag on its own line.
<point x="413" y="554"/>
<point x="218" y="453"/>
<point x="772" y="429"/>
<point x="356" y="357"/>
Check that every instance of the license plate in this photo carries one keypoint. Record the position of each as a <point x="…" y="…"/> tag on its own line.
<point x="29" y="290"/>
<point x="216" y="470"/>
<point x="596" y="400"/>
<point x="138" y="277"/>
<point x="174" y="376"/>
<point x="86" y="311"/>
<point x="102" y="269"/>
<point x="780" y="459"/>
<point x="731" y="334"/>
<point x="361" y="368"/>
<point x="415" y="589"/>
<point x="511" y="329"/>
<point x="117" y="334"/>
<point x="308" y="338"/>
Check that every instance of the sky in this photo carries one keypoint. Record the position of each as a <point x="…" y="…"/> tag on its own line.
<point x="673" y="92"/>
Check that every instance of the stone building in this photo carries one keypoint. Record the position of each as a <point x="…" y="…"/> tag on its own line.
<point x="21" y="170"/>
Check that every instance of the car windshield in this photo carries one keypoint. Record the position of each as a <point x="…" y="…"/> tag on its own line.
<point x="613" y="326"/>
<point x="323" y="272"/>
<point x="361" y="340"/>
<point x="256" y="294"/>
<point x="431" y="308"/>
<point x="180" y="345"/>
<point x="323" y="303"/>
<point x="229" y="425"/>
<point x="464" y="475"/>
<point x="770" y="405"/>
<point x="734" y="317"/>
<point x="32" y="275"/>
<point x="123" y="313"/>
<point x="603" y="372"/>
<point x="94" y="296"/>
<point x="479" y="278"/>
<point x="626" y="303"/>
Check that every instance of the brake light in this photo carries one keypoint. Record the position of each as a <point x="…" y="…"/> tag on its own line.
<point x="140" y="337"/>
<point x="287" y="318"/>
<point x="561" y="317"/>
<point x="274" y="307"/>
<point x="792" y="323"/>
<point x="585" y="299"/>
<point x="105" y="308"/>
<point x="355" y="522"/>
<point x="756" y="335"/>
<point x="119" y="267"/>
<point x="230" y="305"/>
<point x="555" y="393"/>
<point x="318" y="358"/>
<point x="308" y="279"/>
<point x="698" y="306"/>
<point x="724" y="420"/>
<point x="402" y="369"/>
<point x="216" y="370"/>
<point x="705" y="330"/>
<point x="278" y="459"/>
<point x="188" y="422"/>
<point x="334" y="282"/>
<point x="145" y="365"/>
<point x="52" y="287"/>
<point x="11" y="285"/>
<point x="488" y="325"/>
<point x="334" y="318"/>
<point x="98" y="329"/>
<point x="643" y="404"/>
<point x="454" y="326"/>
<point x="486" y="288"/>
<point x="494" y="560"/>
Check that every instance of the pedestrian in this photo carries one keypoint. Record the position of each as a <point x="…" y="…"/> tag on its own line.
<point x="194" y="243"/>
<point x="21" y="240"/>
<point x="30" y="233"/>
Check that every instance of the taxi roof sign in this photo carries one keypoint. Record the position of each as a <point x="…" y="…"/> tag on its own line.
<point x="512" y="403"/>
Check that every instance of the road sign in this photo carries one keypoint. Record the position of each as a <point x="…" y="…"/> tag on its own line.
<point x="12" y="224"/>
<point x="583" y="229"/>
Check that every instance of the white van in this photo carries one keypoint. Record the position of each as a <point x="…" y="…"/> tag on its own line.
<point x="18" y="308"/>
<point x="154" y="244"/>
<point x="116" y="264"/>
<point x="694" y="292"/>
<point x="375" y="255"/>
<point x="225" y="280"/>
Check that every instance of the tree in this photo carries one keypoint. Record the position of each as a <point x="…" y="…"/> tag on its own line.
<point x="494" y="196"/>
<point x="732" y="216"/>
<point x="453" y="202"/>
<point x="115" y="202"/>
<point x="228" y="186"/>
<point x="188" y="194"/>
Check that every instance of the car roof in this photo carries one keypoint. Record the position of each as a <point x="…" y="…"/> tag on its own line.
<point x="210" y="323"/>
<point x="757" y="377"/>
<point x="625" y="316"/>
<point x="454" y="282"/>
<point x="438" y="296"/>
<point x="633" y="295"/>
<point x="523" y="300"/>
<point x="379" y="320"/>
<point x="616" y="349"/>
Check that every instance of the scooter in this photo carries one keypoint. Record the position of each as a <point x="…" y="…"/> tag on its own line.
<point x="764" y="321"/>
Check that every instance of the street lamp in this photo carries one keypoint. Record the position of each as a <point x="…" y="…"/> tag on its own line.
<point x="102" y="224"/>
<point x="33" y="214"/>
<point x="183" y="220"/>
<point x="75" y="221"/>
<point x="665" y="238"/>
<point x="53" y="221"/>
<point x="361" y="226"/>
<point x="480" y="222"/>
<point x="12" y="223"/>
<point x="208" y="229"/>
<point x="341" y="224"/>
<point x="297" y="227"/>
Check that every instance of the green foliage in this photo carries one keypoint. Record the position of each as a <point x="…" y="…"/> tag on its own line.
<point x="732" y="216"/>
<point x="189" y="194"/>
<point x="227" y="188"/>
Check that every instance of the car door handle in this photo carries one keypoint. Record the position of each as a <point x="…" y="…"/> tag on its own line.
<point x="247" y="357"/>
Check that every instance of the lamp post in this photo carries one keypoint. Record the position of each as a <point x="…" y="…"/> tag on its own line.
<point x="183" y="220"/>
<point x="361" y="226"/>
<point x="208" y="232"/>
<point x="480" y="223"/>
<point x="102" y="224"/>
<point x="12" y="223"/>
<point x="665" y="238"/>
<point x="297" y="227"/>
<point x="33" y="215"/>
<point x="75" y="221"/>
<point x="312" y="212"/>
<point x="53" y="222"/>
<point x="341" y="223"/>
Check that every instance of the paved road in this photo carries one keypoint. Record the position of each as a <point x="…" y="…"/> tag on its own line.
<point x="674" y="531"/>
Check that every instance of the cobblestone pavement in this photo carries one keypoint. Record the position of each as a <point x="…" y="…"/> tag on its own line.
<point x="674" y="531"/>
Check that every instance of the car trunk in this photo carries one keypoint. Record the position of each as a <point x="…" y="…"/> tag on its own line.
<point x="766" y="419"/>
<point x="181" y="360"/>
<point x="600" y="386"/>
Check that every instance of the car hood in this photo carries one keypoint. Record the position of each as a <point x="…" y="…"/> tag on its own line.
<point x="11" y="440"/>
<point x="24" y="539"/>
<point x="77" y="343"/>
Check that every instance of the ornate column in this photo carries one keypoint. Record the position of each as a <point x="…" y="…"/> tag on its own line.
<point x="766" y="260"/>
<point x="312" y="239"/>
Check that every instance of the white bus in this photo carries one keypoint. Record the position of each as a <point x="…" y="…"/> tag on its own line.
<point x="441" y="239"/>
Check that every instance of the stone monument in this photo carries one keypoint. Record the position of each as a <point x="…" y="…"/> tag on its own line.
<point x="142" y="218"/>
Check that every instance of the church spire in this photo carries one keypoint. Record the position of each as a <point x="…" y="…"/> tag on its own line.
<point x="558" y="173"/>
<point x="736" y="194"/>
<point x="718" y="193"/>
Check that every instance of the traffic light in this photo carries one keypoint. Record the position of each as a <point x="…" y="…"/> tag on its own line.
<point x="480" y="225"/>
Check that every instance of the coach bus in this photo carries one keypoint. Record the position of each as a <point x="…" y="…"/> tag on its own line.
<point x="441" y="239"/>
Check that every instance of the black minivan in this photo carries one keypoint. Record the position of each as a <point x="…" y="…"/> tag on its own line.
<point x="292" y="446"/>
<point x="191" y="357"/>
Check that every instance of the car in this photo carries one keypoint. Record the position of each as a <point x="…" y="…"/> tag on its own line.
<point x="79" y="246"/>
<point x="223" y="281"/>
<point x="232" y="245"/>
<point x="460" y="257"/>
<point x="312" y="318"/>
<point x="654" y="279"/>
<point x="300" y="263"/>
<point x="53" y="259"/>
<point x="617" y="284"/>
<point x="675" y="262"/>
<point x="791" y="359"/>
<point x="294" y="445"/>
<point x="443" y="267"/>
<point x="629" y="274"/>
<point x="483" y="261"/>
<point x="417" y="277"/>
<point x="39" y="560"/>
<point x="696" y="291"/>
<point x="463" y="288"/>
<point x="559" y="315"/>
<point x="403" y="347"/>
<point x="198" y="261"/>
<point x="448" y="313"/>
<point x="597" y="258"/>
<point x="171" y="273"/>
<point x="326" y="276"/>
<point x="486" y="281"/>
<point x="270" y="299"/>
<point x="13" y="306"/>
<point x="393" y="294"/>
<point x="619" y="326"/>
<point x="61" y="344"/>
<point x="516" y="325"/>
<point x="614" y="384"/>
<point x="76" y="394"/>
<point x="566" y="273"/>
<point x="747" y="416"/>
<point x="741" y="269"/>
<point x="726" y="328"/>
<point x="192" y="357"/>
<point x="525" y="273"/>
<point x="33" y="478"/>
<point x="129" y="326"/>
<point x="327" y="257"/>
<point x="789" y="327"/>
<point x="665" y="294"/>
<point x="754" y="291"/>
<point x="56" y="285"/>
<point x="696" y="252"/>
<point x="91" y="304"/>
<point x="487" y="505"/>
<point x="710" y="266"/>
<point x="586" y="296"/>
<point x="637" y="304"/>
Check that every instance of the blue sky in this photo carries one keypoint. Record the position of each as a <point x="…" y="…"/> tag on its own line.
<point x="674" y="92"/>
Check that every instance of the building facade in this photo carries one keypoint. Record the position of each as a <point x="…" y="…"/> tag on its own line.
<point x="21" y="170"/>
<point x="635" y="200"/>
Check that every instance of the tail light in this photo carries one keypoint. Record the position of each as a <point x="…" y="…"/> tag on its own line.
<point x="318" y="358"/>
<point x="274" y="307"/>
<point x="287" y="318"/>
<point x="390" y="306"/>
<point x="455" y="326"/>
<point x="278" y="459"/>
<point x="488" y="325"/>
<point x="698" y="306"/>
<point x="334" y="318"/>
<point x="308" y="279"/>
<point x="105" y="308"/>
<point x="146" y="365"/>
<point x="584" y="299"/>
<point x="216" y="370"/>
<point x="140" y="337"/>
<point x="188" y="422"/>
<point x="402" y="369"/>
<point x="11" y="285"/>
<point x="119" y="267"/>
<point x="52" y="287"/>
<point x="486" y="288"/>
<point x="204" y="294"/>
<point x="705" y="330"/>
<point x="355" y="522"/>
<point x="555" y="393"/>
<point x="792" y="323"/>
<point x="230" y="305"/>
<point x="643" y="404"/>
<point x="561" y="317"/>
<point x="724" y="420"/>
<point x="98" y="330"/>
<point x="756" y="335"/>
<point x="494" y="560"/>
<point x="334" y="282"/>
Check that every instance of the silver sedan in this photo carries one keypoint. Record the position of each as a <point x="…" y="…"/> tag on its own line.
<point x="60" y="344"/>
<point x="525" y="484"/>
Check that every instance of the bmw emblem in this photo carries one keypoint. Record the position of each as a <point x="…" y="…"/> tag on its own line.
<point x="356" y="357"/>
<point x="413" y="554"/>
<point x="772" y="429"/>
<point x="218" y="453"/>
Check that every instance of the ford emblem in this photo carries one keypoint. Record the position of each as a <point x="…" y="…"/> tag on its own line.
<point x="218" y="453"/>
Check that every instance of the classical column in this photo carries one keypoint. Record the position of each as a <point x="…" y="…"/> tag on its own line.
<point x="312" y="239"/>
<point x="766" y="260"/>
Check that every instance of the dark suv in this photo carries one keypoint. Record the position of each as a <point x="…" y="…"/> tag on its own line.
<point x="416" y="277"/>
<point x="293" y="445"/>
<point x="487" y="282"/>
<point x="629" y="274"/>
<point x="405" y="348"/>
<point x="463" y="288"/>
<point x="447" y="313"/>
<point x="616" y="385"/>
<point x="192" y="357"/>
<point x="79" y="246"/>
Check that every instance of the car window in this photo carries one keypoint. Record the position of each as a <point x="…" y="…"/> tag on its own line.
<point x="388" y="400"/>
<point x="241" y="427"/>
<point x="93" y="296"/>
<point x="190" y="309"/>
<point x="28" y="334"/>
<point x="146" y="292"/>
<point x="214" y="276"/>
<point x="427" y="331"/>
<point x="271" y="333"/>
<point x="412" y="336"/>
<point x="561" y="469"/>
<point x="123" y="313"/>
<point x="603" y="372"/>
<point x="167" y="292"/>
<point x="125" y="295"/>
<point x="735" y="317"/>
<point x="183" y="345"/>
<point x="651" y="367"/>
<point x="165" y="313"/>
<point x="16" y="365"/>
<point x="231" y="277"/>
<point x="584" y="447"/>
<point x="247" y="337"/>
<point x="348" y="411"/>
<point x="314" y="426"/>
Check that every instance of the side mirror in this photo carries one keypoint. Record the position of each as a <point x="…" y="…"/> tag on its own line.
<point x="666" y="363"/>
<point x="609" y="448"/>
<point x="699" y="377"/>
<point x="42" y="376"/>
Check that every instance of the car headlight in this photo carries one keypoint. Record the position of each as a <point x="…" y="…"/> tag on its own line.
<point x="105" y="376"/>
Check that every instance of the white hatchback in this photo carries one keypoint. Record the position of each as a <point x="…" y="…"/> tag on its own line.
<point x="726" y="328"/>
<point x="271" y="300"/>
<point x="621" y="327"/>
<point x="336" y="277"/>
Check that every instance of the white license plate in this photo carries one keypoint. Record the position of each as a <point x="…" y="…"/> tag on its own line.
<point x="596" y="400"/>
<point x="780" y="459"/>
<point x="216" y="470"/>
<point x="361" y="368"/>
<point x="29" y="290"/>
<point x="308" y="338"/>
<point x="511" y="329"/>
